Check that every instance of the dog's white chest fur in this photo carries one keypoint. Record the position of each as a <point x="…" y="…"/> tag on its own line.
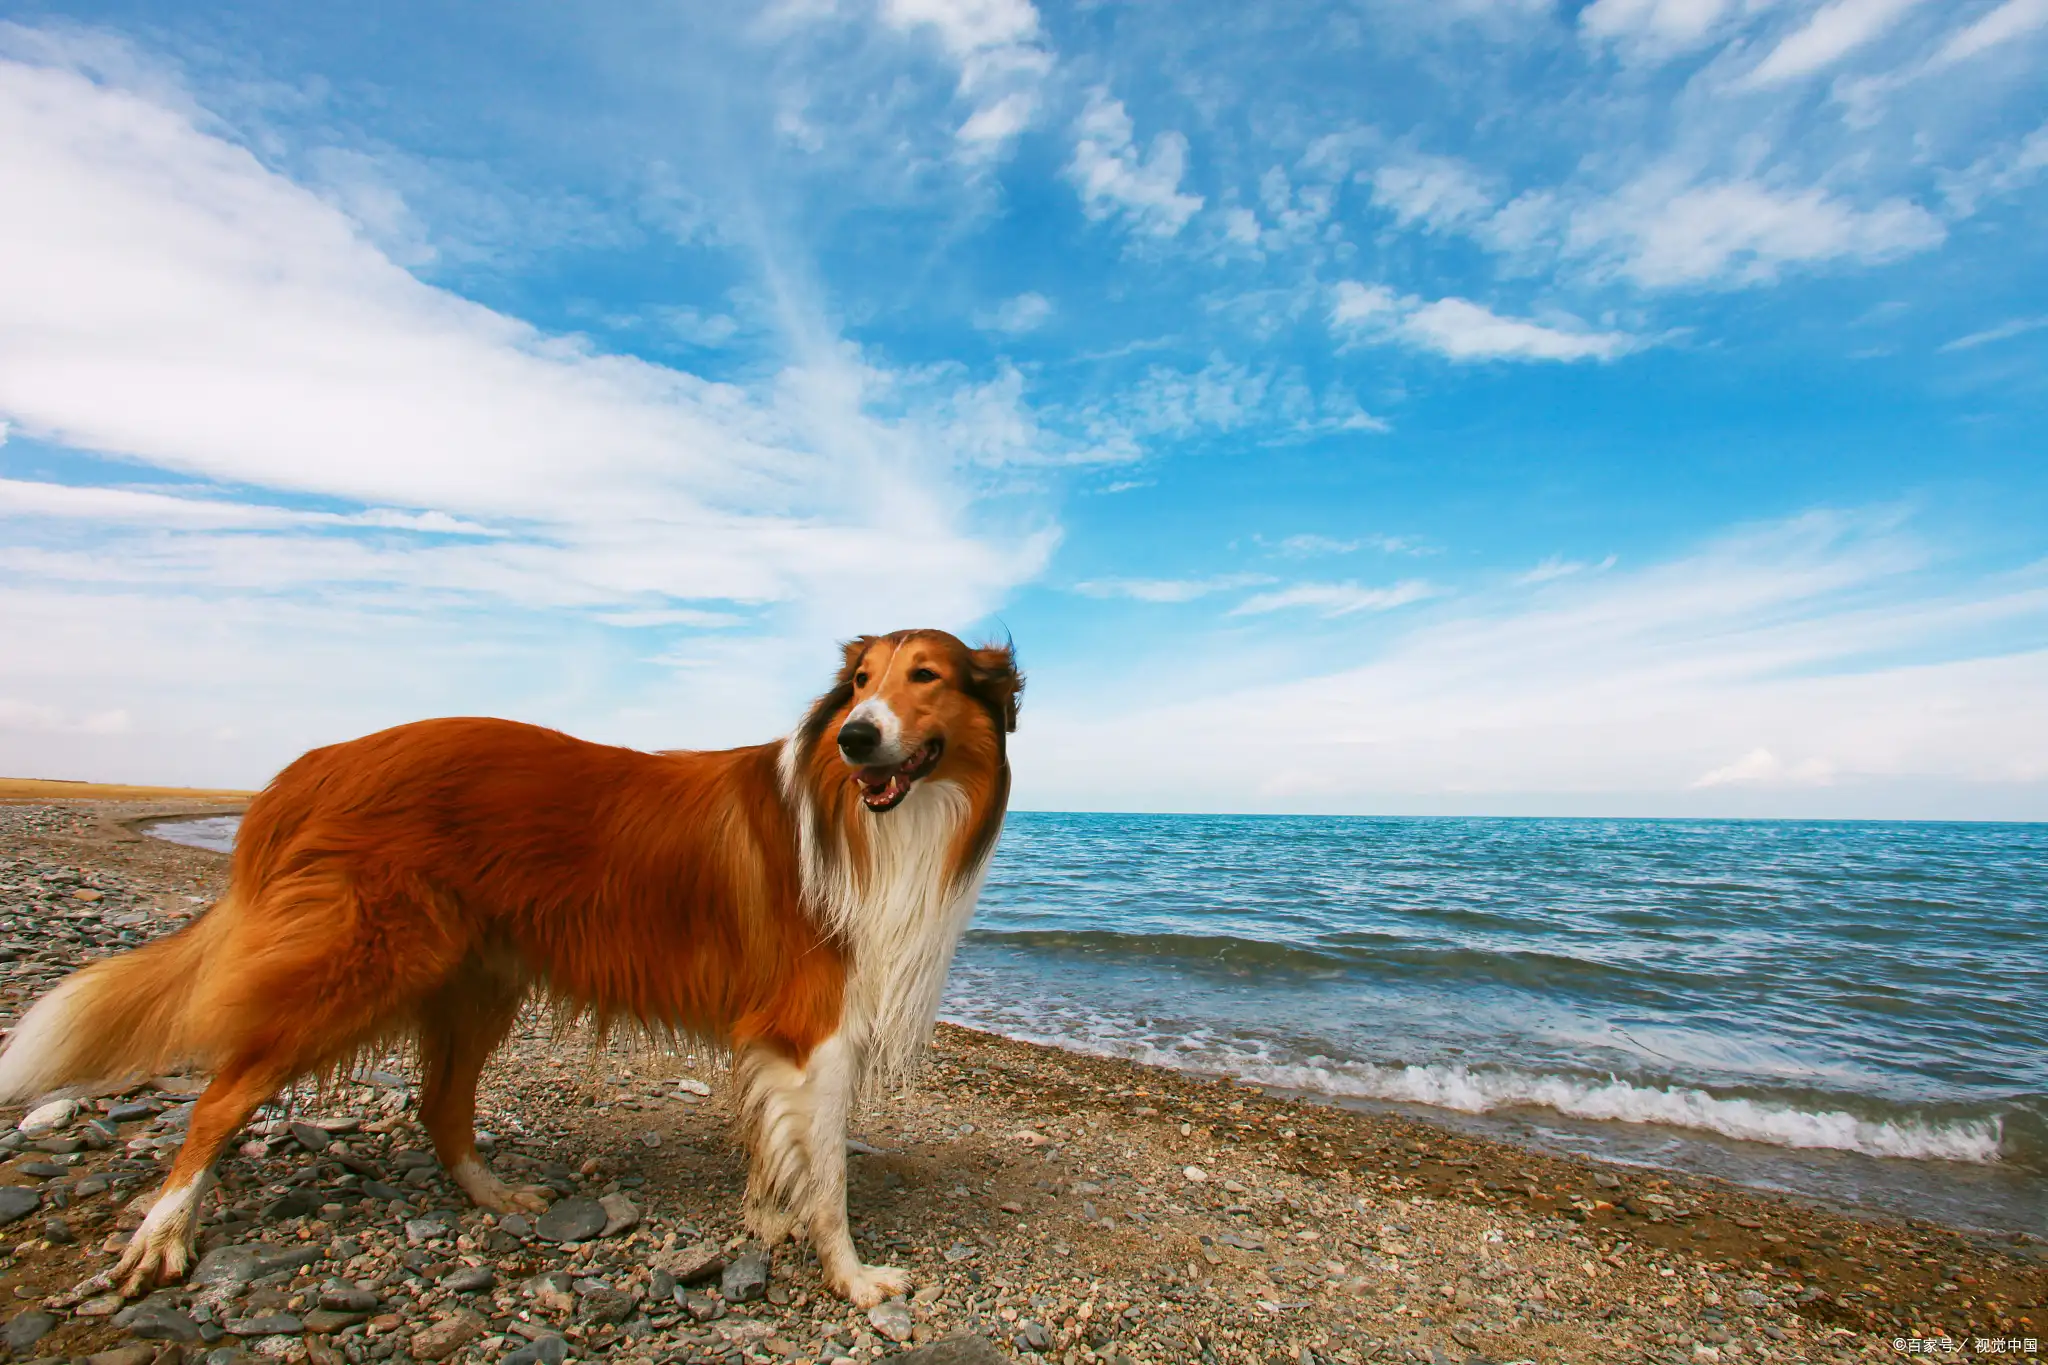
<point x="902" y="920"/>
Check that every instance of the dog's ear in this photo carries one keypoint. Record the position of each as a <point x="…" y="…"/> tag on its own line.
<point x="993" y="676"/>
<point x="851" y="653"/>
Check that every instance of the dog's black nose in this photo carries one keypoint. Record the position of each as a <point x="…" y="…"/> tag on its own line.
<point x="858" y="738"/>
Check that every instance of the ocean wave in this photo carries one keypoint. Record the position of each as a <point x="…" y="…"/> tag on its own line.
<point x="1479" y="1090"/>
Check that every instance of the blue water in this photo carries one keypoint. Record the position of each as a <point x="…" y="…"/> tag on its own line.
<point x="1854" y="1011"/>
<point x="1849" y="1011"/>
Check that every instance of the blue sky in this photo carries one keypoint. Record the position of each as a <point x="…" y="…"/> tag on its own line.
<point x="1634" y="407"/>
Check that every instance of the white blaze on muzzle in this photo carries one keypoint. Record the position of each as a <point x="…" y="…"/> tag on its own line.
<point x="882" y="716"/>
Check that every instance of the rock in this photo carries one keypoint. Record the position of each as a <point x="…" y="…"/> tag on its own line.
<point x="26" y="1328"/>
<point x="551" y="1292"/>
<point x="124" y="1355"/>
<point x="606" y="1305"/>
<point x="131" y="1111"/>
<point x="703" y="1307"/>
<point x="693" y="1264"/>
<point x="1033" y="1336"/>
<point x="746" y="1278"/>
<point x="292" y="1204"/>
<point x="161" y="1322"/>
<point x="237" y="1265"/>
<point x="547" y="1350"/>
<point x="1194" y="1173"/>
<point x="573" y="1220"/>
<point x="891" y="1318"/>
<point x="470" y="1279"/>
<point x="418" y="1230"/>
<point x="650" y="1138"/>
<point x="620" y="1215"/>
<point x="964" y="1348"/>
<point x="516" y="1225"/>
<point x="267" y="1325"/>
<point x="447" y="1335"/>
<point x="348" y="1299"/>
<point x="322" y="1321"/>
<point x="57" y="1232"/>
<point x="105" y="1306"/>
<point x="693" y="1087"/>
<point x="48" y="1118"/>
<point x="312" y="1138"/>
<point x="17" y="1202"/>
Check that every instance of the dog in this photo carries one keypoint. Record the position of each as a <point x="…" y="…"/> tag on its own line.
<point x="795" y="903"/>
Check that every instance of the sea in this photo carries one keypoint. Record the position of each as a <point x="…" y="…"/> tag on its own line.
<point x="1854" y="1013"/>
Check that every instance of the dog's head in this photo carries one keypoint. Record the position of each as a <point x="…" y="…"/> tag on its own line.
<point x="913" y="705"/>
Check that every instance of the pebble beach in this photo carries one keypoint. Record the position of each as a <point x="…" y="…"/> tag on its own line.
<point x="1050" y="1206"/>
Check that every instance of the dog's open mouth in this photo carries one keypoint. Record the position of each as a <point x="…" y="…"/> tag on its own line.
<point x="885" y="788"/>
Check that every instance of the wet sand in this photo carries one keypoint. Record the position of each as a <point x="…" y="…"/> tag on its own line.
<point x="1062" y="1206"/>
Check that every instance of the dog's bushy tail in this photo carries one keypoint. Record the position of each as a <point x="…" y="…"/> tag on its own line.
<point x="117" y="1019"/>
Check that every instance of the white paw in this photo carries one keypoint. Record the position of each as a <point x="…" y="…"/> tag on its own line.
<point x="150" y="1260"/>
<point x="871" y="1284"/>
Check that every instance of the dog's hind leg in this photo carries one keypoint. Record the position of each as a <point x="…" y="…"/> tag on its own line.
<point x="162" y="1247"/>
<point x="461" y="1024"/>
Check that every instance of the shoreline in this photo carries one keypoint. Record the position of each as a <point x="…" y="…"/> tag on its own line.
<point x="1037" y="1182"/>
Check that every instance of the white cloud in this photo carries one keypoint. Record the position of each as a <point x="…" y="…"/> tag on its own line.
<point x="1742" y="231"/>
<point x="1003" y="63"/>
<point x="1437" y="192"/>
<point x="2004" y="331"/>
<point x="340" y="479"/>
<point x="1557" y="567"/>
<point x="1761" y="767"/>
<point x="1826" y="640"/>
<point x="1114" y="179"/>
<point x="1651" y="29"/>
<point x="697" y="327"/>
<point x="1016" y="316"/>
<point x="1336" y="599"/>
<point x="1167" y="589"/>
<point x="1461" y="330"/>
<point x="165" y="298"/>
<point x="1834" y="31"/>
<point x="1998" y="172"/>
<point x="2011" y="20"/>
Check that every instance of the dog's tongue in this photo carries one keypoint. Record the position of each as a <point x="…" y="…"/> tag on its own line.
<point x="877" y="777"/>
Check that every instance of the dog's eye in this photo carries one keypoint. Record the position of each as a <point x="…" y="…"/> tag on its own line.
<point x="923" y="675"/>
<point x="860" y="680"/>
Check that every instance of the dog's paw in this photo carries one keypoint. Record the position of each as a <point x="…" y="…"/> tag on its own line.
<point x="493" y="1195"/>
<point x="871" y="1284"/>
<point x="149" y="1261"/>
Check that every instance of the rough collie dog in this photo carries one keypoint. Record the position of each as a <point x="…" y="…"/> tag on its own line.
<point x="796" y="903"/>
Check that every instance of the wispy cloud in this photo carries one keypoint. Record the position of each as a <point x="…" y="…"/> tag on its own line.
<point x="1822" y="640"/>
<point x="2004" y="331"/>
<point x="1461" y="330"/>
<point x="1337" y="599"/>
<point x="1116" y="180"/>
<point x="1168" y="589"/>
<point x="1016" y="316"/>
<point x="1833" y="32"/>
<point x="1003" y="63"/>
<point x="1557" y="567"/>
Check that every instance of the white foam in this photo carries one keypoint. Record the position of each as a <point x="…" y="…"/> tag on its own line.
<point x="1610" y="1100"/>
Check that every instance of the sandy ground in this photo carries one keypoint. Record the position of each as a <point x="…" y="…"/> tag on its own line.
<point x="1073" y="1208"/>
<point x="42" y="789"/>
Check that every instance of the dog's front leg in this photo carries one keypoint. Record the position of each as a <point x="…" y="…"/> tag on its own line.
<point x="833" y="1075"/>
<point x="795" y="1120"/>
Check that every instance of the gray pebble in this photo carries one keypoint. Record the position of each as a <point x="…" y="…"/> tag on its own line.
<point x="746" y="1278"/>
<point x="549" y="1350"/>
<point x="470" y="1279"/>
<point x="27" y="1328"/>
<point x="573" y="1220"/>
<point x="17" y="1202"/>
